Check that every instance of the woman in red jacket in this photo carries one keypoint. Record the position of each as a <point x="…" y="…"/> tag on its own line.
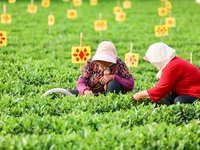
<point x="179" y="79"/>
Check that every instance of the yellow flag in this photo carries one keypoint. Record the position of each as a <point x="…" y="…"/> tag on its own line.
<point x="161" y="30"/>
<point x="117" y="9"/>
<point x="45" y="3"/>
<point x="11" y="1"/>
<point x="32" y="8"/>
<point x="3" y="38"/>
<point x="168" y="5"/>
<point x="126" y="4"/>
<point x="131" y="59"/>
<point x="5" y="18"/>
<point x="51" y="20"/>
<point x="120" y="16"/>
<point x="100" y="25"/>
<point x="93" y="2"/>
<point x="77" y="2"/>
<point x="170" y="22"/>
<point x="71" y="14"/>
<point x="81" y="54"/>
<point x="162" y="11"/>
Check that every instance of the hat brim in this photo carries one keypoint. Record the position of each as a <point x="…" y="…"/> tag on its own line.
<point x="104" y="57"/>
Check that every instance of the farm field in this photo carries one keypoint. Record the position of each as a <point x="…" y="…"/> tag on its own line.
<point x="38" y="58"/>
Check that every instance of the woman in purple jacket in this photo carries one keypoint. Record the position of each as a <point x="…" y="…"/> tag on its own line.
<point x="104" y="73"/>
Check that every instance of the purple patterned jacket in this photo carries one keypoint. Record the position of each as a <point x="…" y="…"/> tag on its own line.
<point x="89" y="79"/>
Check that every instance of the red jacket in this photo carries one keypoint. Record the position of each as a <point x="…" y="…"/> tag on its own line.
<point x="179" y="76"/>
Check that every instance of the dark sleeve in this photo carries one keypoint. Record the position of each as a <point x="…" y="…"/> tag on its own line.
<point x="127" y="84"/>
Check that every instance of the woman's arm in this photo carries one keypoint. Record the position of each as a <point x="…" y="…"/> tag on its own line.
<point x="140" y="95"/>
<point x="127" y="84"/>
<point x="81" y="85"/>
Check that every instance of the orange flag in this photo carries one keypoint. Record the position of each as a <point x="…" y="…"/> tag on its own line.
<point x="131" y="59"/>
<point x="162" y="11"/>
<point x="170" y="22"/>
<point x="71" y="14"/>
<point x="168" y="5"/>
<point x="11" y="1"/>
<point x="32" y="8"/>
<point x="117" y="9"/>
<point x="51" y="20"/>
<point x="5" y="18"/>
<point x="127" y="4"/>
<point x="93" y="2"/>
<point x="100" y="25"/>
<point x="120" y="16"/>
<point x="45" y="3"/>
<point x="161" y="30"/>
<point x="77" y="2"/>
<point x="81" y="54"/>
<point x="3" y="38"/>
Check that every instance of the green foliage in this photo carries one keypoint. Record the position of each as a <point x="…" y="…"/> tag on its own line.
<point x="38" y="59"/>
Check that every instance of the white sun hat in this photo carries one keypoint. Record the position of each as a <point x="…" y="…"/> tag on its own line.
<point x="159" y="55"/>
<point x="106" y="51"/>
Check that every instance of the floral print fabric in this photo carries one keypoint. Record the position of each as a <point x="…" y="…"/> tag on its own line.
<point x="92" y="74"/>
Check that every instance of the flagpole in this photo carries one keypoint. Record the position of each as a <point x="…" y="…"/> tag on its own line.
<point x="118" y="2"/>
<point x="32" y="2"/>
<point x="4" y="9"/>
<point x="81" y="44"/>
<point x="130" y="56"/>
<point x="50" y="25"/>
<point x="191" y="57"/>
<point x="161" y="30"/>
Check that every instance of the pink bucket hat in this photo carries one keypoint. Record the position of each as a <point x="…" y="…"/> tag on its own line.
<point x="106" y="51"/>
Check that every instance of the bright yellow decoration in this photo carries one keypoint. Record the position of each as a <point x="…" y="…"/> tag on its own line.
<point x="117" y="9"/>
<point x="100" y="25"/>
<point x="93" y="2"/>
<point x="120" y="16"/>
<point x="51" y="20"/>
<point x="126" y="4"/>
<point x="32" y="8"/>
<point x="72" y="14"/>
<point x="81" y="54"/>
<point x="168" y="5"/>
<point x="11" y="1"/>
<point x="170" y="22"/>
<point x="162" y="11"/>
<point x="131" y="59"/>
<point x="3" y="38"/>
<point x="45" y="3"/>
<point x="77" y="2"/>
<point x="6" y="18"/>
<point x="161" y="30"/>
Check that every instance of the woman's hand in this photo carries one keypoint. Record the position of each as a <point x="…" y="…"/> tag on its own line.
<point x="140" y="95"/>
<point x="88" y="92"/>
<point x="106" y="78"/>
<point x="136" y="96"/>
